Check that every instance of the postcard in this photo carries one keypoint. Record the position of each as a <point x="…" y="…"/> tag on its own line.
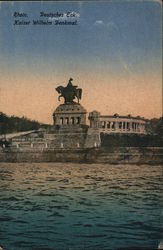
<point x="81" y="127"/>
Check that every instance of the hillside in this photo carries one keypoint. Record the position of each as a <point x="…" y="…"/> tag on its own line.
<point x="10" y="124"/>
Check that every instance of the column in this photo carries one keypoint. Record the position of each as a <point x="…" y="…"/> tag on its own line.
<point x="133" y="126"/>
<point x="64" y="121"/>
<point x="57" y="122"/>
<point x="72" y="120"/>
<point x="61" y="121"/>
<point x="75" y="120"/>
<point x="130" y="126"/>
<point x="111" y="125"/>
<point x="116" y="126"/>
<point x="143" y="128"/>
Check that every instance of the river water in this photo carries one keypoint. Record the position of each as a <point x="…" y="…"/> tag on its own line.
<point x="79" y="206"/>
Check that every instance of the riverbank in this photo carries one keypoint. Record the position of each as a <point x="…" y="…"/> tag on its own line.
<point x="117" y="155"/>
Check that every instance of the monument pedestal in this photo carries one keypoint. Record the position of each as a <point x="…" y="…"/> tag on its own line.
<point x="70" y="129"/>
<point x="69" y="115"/>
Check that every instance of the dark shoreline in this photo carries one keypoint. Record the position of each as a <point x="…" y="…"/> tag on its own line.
<point x="118" y="155"/>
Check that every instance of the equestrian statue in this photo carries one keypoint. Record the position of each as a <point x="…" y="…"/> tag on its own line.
<point x="69" y="93"/>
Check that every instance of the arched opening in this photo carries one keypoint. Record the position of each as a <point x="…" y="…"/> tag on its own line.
<point x="113" y="125"/>
<point x="103" y="124"/>
<point x="78" y="120"/>
<point x="128" y="128"/>
<point x="108" y="125"/>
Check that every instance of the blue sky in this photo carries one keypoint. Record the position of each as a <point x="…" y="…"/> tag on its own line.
<point x="112" y="40"/>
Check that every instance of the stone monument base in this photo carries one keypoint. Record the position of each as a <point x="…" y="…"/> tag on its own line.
<point x="67" y="138"/>
<point x="69" y="115"/>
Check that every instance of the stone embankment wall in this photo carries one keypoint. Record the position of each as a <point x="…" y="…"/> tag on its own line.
<point x="127" y="155"/>
<point x="68" y="138"/>
<point x="153" y="156"/>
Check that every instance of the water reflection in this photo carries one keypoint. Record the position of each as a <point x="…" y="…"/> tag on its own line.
<point x="78" y="206"/>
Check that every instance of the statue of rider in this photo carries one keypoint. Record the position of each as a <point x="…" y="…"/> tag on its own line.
<point x="69" y="92"/>
<point x="71" y="89"/>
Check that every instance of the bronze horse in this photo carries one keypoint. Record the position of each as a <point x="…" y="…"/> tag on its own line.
<point x="69" y="93"/>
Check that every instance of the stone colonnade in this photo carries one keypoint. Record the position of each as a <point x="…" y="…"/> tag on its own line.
<point x="69" y="120"/>
<point x="122" y="125"/>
